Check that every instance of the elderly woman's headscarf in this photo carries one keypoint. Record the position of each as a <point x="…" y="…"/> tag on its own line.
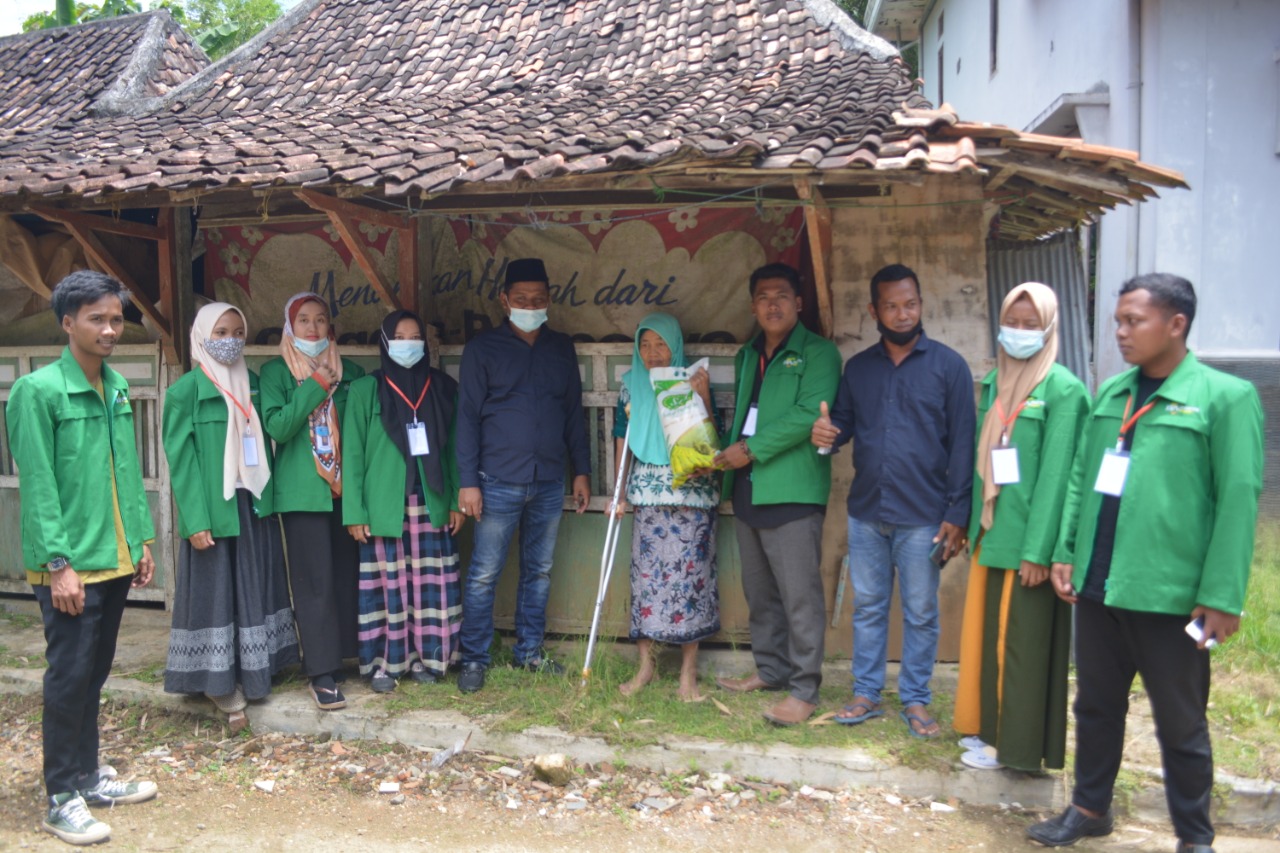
<point x="1016" y="378"/>
<point x="646" y="440"/>
<point x="325" y="448"/>
<point x="242" y="418"/>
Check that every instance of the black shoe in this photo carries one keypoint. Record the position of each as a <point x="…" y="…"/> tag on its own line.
<point x="1069" y="827"/>
<point x="541" y="663"/>
<point x="471" y="678"/>
<point x="381" y="682"/>
<point x="421" y="675"/>
<point x="1188" y="847"/>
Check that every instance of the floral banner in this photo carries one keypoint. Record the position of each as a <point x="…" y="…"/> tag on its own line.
<point x="610" y="268"/>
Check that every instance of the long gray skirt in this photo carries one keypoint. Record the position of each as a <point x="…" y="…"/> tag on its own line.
<point x="232" y="623"/>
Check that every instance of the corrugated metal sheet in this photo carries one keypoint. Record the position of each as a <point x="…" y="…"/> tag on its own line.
<point x="1057" y="262"/>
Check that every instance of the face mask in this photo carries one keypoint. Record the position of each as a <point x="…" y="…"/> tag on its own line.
<point x="406" y="353"/>
<point x="224" y="350"/>
<point x="528" y="320"/>
<point x="311" y="349"/>
<point x="1022" y="343"/>
<point x="899" y="338"/>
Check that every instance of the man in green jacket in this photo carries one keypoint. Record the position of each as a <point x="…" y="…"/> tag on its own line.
<point x="85" y="536"/>
<point x="1157" y="532"/>
<point x="779" y="486"/>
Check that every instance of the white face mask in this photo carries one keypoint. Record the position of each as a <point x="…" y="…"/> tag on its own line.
<point x="311" y="349"/>
<point x="406" y="353"/>
<point x="1022" y="343"/>
<point x="528" y="319"/>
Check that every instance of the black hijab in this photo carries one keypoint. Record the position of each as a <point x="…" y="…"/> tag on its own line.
<point x="436" y="411"/>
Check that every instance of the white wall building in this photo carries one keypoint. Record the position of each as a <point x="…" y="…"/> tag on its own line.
<point x="1192" y="85"/>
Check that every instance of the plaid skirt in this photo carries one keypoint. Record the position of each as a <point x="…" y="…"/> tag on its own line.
<point x="410" y="597"/>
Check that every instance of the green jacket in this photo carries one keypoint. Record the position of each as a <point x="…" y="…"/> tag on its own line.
<point x="1028" y="513"/>
<point x="1184" y="536"/>
<point x="194" y="436"/>
<point x="64" y="439"/>
<point x="286" y="406"/>
<point x="374" y="468"/>
<point x="805" y="373"/>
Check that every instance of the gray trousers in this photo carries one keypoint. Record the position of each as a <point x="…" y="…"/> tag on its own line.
<point x="788" y="612"/>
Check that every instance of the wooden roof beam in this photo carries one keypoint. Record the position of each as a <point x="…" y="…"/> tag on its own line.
<point x="345" y="217"/>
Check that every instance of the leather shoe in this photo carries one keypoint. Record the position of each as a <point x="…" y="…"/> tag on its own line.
<point x="1069" y="827"/>
<point x="1188" y="847"/>
<point x="746" y="685"/>
<point x="471" y="678"/>
<point x="789" y="712"/>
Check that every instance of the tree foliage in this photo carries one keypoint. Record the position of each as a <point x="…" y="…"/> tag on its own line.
<point x="218" y="26"/>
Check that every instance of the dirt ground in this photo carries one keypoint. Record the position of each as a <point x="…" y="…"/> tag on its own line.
<point x="326" y="792"/>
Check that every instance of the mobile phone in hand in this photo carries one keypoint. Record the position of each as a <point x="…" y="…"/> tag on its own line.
<point x="936" y="555"/>
<point x="1195" y="630"/>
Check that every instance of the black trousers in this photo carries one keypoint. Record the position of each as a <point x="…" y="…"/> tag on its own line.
<point x="1111" y="646"/>
<point x="324" y="577"/>
<point x="79" y="650"/>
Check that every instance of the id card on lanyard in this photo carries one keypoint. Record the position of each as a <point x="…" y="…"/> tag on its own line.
<point x="1004" y="459"/>
<point x="416" y="431"/>
<point x="248" y="441"/>
<point x="1114" y="469"/>
<point x="749" y="424"/>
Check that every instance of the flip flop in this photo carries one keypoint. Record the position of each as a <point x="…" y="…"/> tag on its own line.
<point x="924" y="724"/>
<point x="870" y="712"/>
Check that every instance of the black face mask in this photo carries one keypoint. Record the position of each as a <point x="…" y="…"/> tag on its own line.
<point x="900" y="339"/>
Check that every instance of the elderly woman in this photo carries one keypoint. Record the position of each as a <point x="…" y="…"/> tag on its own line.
<point x="303" y="392"/>
<point x="674" y="598"/>
<point x="1012" y="698"/>
<point x="402" y="507"/>
<point x="232" y="626"/>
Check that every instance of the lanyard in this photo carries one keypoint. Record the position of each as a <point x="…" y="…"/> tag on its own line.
<point x="1005" y="429"/>
<point x="421" y="396"/>
<point x="232" y="397"/>
<point x="1127" y="422"/>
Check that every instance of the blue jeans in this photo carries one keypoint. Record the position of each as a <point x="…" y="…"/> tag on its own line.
<point x="875" y="550"/>
<point x="536" y="509"/>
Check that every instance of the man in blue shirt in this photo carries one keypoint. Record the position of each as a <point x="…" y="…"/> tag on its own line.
<point x="519" y="410"/>
<point x="907" y="403"/>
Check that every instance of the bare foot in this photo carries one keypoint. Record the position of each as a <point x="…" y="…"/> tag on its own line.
<point x="688" y="692"/>
<point x="643" y="677"/>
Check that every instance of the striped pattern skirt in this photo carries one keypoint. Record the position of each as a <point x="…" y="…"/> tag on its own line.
<point x="410" y="597"/>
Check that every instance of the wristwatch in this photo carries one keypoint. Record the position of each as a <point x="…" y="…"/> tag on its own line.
<point x="58" y="563"/>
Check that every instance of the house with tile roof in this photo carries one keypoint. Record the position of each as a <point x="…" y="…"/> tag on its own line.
<point x="398" y="152"/>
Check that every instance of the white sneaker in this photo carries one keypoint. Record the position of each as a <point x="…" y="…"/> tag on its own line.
<point x="110" y="792"/>
<point x="70" y="820"/>
<point x="972" y="742"/>
<point x="981" y="759"/>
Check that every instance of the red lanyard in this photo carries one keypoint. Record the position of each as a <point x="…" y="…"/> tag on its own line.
<point x="421" y="396"/>
<point x="232" y="397"/>
<point x="1127" y="422"/>
<point x="1005" y="430"/>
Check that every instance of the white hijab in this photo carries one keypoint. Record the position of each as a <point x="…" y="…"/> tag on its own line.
<point x="233" y="381"/>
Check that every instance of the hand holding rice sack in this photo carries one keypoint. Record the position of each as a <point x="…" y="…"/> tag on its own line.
<point x="674" y="594"/>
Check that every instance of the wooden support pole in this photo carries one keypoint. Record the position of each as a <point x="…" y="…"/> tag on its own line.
<point x="83" y="227"/>
<point x="182" y="309"/>
<point x="817" y="224"/>
<point x="407" y="235"/>
<point x="345" y="215"/>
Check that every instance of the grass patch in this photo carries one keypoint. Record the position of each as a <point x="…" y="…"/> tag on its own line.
<point x="12" y="660"/>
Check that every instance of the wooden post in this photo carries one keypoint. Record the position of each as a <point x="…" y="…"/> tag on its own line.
<point x="817" y="224"/>
<point x="182" y="309"/>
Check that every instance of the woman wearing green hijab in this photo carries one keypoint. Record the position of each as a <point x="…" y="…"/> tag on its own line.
<point x="674" y="598"/>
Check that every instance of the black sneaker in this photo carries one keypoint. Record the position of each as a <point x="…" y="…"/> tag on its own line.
<point x="542" y="663"/>
<point x="381" y="682"/>
<point x="471" y="678"/>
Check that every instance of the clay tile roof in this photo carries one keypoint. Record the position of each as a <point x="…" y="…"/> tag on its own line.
<point x="421" y="97"/>
<point x="69" y="73"/>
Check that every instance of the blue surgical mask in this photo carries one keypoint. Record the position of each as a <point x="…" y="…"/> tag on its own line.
<point x="528" y="319"/>
<point x="1022" y="343"/>
<point x="406" y="353"/>
<point x="311" y="349"/>
<point x="224" y="350"/>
